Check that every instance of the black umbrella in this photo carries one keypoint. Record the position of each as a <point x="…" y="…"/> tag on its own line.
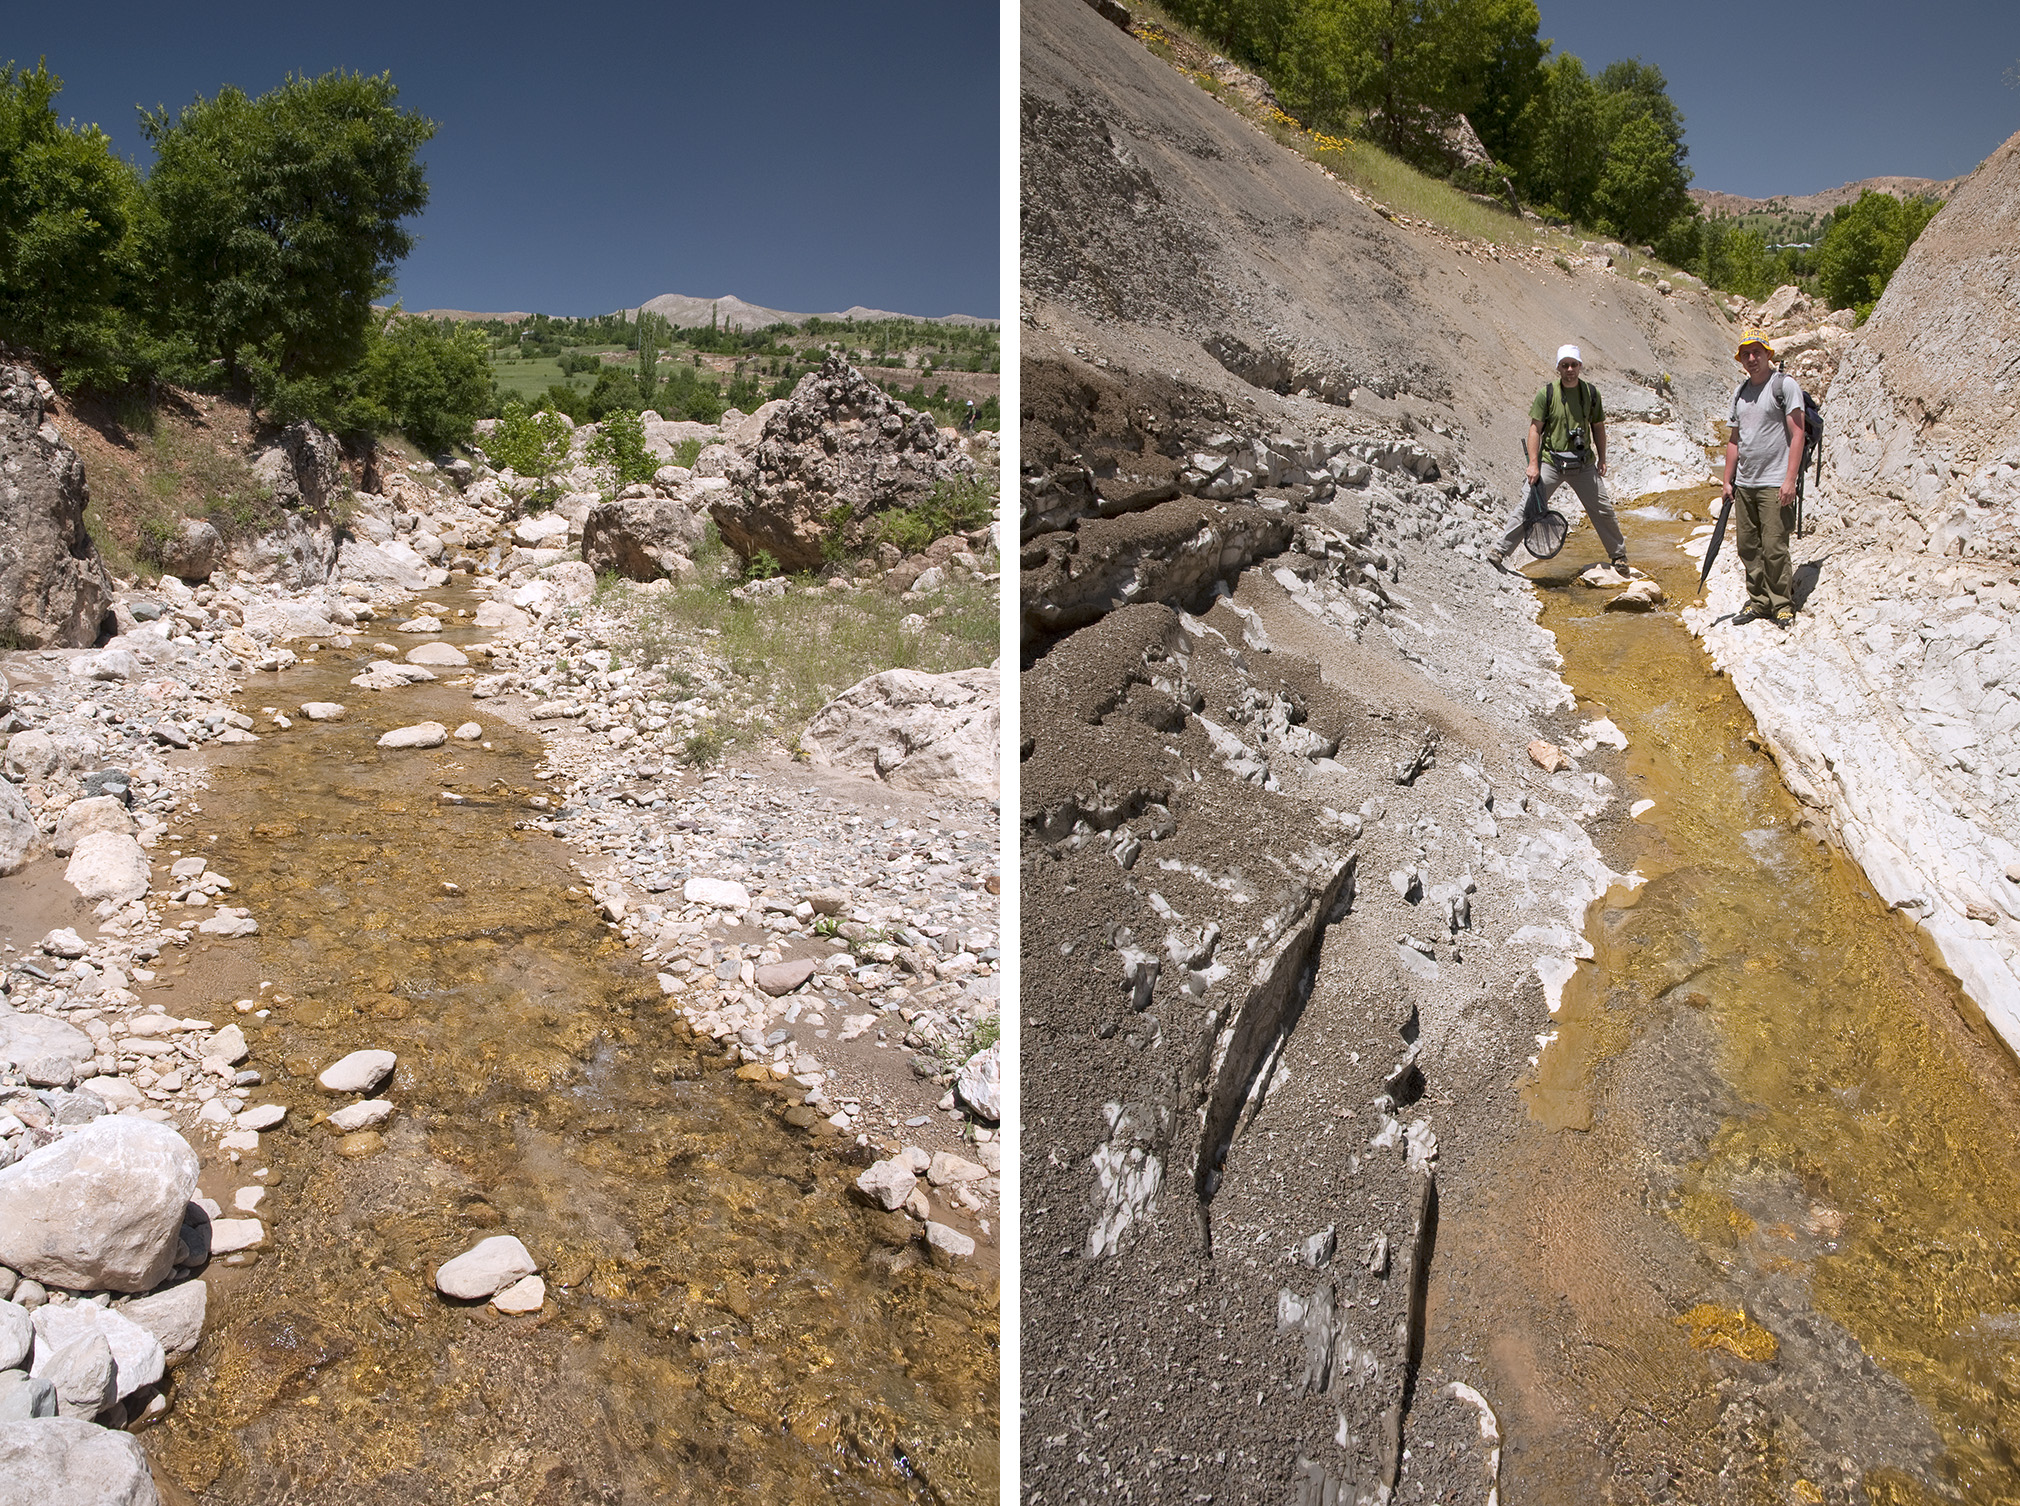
<point x="1717" y="538"/>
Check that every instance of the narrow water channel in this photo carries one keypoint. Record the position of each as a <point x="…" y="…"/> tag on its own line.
<point x="725" y="1320"/>
<point x="1757" y="1239"/>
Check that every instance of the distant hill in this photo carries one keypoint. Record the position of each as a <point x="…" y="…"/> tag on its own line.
<point x="686" y="313"/>
<point x="1712" y="202"/>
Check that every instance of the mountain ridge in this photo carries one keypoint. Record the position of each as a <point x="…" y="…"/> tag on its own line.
<point x="1716" y="202"/>
<point x="685" y="311"/>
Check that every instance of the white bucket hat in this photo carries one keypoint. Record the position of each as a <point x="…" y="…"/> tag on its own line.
<point x="1569" y="353"/>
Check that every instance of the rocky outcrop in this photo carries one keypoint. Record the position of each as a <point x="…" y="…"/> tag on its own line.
<point x="303" y="468"/>
<point x="54" y="589"/>
<point x="836" y="453"/>
<point x="936" y="733"/>
<point x="1892" y="708"/>
<point x="642" y="535"/>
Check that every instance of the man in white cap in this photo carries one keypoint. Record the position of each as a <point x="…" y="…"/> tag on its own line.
<point x="1567" y="442"/>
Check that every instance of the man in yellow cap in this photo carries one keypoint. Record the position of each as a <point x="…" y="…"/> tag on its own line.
<point x="1763" y="454"/>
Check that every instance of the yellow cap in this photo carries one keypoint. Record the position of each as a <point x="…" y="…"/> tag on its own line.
<point x="1753" y="337"/>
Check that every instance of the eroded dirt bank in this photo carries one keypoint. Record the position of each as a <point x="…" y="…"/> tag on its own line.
<point x="1355" y="1160"/>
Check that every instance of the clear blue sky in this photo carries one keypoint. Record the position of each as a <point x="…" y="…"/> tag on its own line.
<point x="589" y="156"/>
<point x="1853" y="88"/>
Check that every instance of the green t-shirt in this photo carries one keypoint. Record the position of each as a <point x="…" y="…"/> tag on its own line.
<point x="1581" y="405"/>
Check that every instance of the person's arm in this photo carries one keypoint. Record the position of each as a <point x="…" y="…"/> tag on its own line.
<point x="1535" y="450"/>
<point x="1731" y="465"/>
<point x="1599" y="443"/>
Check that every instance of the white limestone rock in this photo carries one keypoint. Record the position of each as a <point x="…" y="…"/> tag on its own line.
<point x="360" y="1072"/>
<point x="68" y="1461"/>
<point x="485" y="1269"/>
<point x="99" y="1209"/>
<point x="109" y="865"/>
<point x="137" y="1356"/>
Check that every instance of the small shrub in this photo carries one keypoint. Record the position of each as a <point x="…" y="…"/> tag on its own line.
<point x="761" y="566"/>
<point x="704" y="746"/>
<point x="957" y="506"/>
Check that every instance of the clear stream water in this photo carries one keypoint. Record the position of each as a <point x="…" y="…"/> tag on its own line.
<point x="725" y="1321"/>
<point x="1766" y="1210"/>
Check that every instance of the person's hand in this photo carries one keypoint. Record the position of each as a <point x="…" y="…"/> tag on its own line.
<point x="1602" y="467"/>
<point x="1535" y="474"/>
<point x="1788" y="492"/>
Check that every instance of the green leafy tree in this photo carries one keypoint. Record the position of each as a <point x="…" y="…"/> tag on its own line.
<point x="431" y="380"/>
<point x="533" y="444"/>
<point x="68" y="212"/>
<point x="279" y="220"/>
<point x="653" y="337"/>
<point x="616" y="391"/>
<point x="620" y="444"/>
<point x="1642" y="188"/>
<point x="1564" y="151"/>
<point x="1863" y="246"/>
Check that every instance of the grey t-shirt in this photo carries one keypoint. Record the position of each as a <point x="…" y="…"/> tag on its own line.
<point x="1760" y="422"/>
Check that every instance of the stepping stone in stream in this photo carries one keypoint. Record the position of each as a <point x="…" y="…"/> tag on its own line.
<point x="485" y="1269"/>
<point x="360" y="1072"/>
<point x="420" y="735"/>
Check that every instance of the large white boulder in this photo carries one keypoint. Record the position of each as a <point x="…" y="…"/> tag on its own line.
<point x="137" y="1356"/>
<point x="173" y="1315"/>
<point x="391" y="564"/>
<point x="936" y="733"/>
<point x="981" y="1083"/>
<point x="66" y="1461"/>
<point x="100" y="1209"/>
<point x="30" y="1037"/>
<point x="81" y="818"/>
<point x="109" y="865"/>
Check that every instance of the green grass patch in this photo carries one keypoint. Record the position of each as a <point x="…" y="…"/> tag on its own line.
<point x="800" y="650"/>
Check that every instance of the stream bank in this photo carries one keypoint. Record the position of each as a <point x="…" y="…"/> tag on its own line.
<point x="1747" y="1240"/>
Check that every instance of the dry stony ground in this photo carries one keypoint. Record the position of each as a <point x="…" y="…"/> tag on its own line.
<point x="1297" y="898"/>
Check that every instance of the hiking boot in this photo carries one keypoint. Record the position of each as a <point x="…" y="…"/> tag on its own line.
<point x="1749" y="613"/>
<point x="1785" y="617"/>
<point x="1498" y="560"/>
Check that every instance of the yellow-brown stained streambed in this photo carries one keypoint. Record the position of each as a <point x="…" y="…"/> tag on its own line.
<point x="1760" y="1239"/>
<point x="724" y="1320"/>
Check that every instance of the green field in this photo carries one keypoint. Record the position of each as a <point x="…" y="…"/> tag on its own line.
<point x="529" y="376"/>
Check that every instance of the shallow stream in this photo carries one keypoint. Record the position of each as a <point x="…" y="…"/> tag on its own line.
<point x="1760" y="1237"/>
<point x="724" y="1320"/>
